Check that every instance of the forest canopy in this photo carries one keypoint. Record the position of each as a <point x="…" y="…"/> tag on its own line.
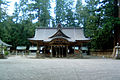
<point x="97" y="18"/>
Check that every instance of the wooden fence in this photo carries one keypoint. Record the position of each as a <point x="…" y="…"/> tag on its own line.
<point x="102" y="53"/>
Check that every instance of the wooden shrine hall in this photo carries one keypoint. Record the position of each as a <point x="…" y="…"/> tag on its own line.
<point x="58" y="42"/>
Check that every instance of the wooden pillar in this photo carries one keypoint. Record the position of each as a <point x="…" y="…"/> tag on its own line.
<point x="66" y="50"/>
<point x="74" y="49"/>
<point x="62" y="51"/>
<point x="59" y="52"/>
<point x="51" y="52"/>
<point x="79" y="47"/>
<point x="56" y="52"/>
<point x="38" y="49"/>
<point x="44" y="50"/>
<point x="15" y="52"/>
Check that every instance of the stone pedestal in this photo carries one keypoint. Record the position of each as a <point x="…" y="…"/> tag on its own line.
<point x="116" y="52"/>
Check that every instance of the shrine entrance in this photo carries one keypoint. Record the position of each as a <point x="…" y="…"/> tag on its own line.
<point x="59" y="51"/>
<point x="59" y="47"/>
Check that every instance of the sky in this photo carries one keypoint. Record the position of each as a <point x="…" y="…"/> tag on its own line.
<point x="11" y="6"/>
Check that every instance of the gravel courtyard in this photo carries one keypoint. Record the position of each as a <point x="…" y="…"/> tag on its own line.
<point x="21" y="68"/>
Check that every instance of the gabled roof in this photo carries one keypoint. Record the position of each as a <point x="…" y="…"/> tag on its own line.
<point x="59" y="34"/>
<point x="45" y="34"/>
<point x="4" y="44"/>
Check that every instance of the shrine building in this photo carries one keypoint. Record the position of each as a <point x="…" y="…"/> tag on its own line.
<point x="58" y="42"/>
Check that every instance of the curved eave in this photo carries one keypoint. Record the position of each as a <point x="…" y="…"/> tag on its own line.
<point x="59" y="37"/>
<point x="84" y="41"/>
<point x="4" y="44"/>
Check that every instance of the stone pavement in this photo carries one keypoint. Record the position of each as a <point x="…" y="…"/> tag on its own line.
<point x="21" y="68"/>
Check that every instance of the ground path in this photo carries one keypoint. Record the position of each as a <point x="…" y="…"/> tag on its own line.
<point x="21" y="68"/>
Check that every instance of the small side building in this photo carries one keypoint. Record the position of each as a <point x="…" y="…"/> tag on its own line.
<point x="21" y="50"/>
<point x="32" y="49"/>
<point x="2" y="47"/>
<point x="84" y="50"/>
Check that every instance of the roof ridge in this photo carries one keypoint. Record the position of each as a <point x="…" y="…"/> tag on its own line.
<point x="62" y="28"/>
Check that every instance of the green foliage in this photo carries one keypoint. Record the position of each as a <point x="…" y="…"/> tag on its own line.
<point x="69" y="15"/>
<point x="98" y="22"/>
<point x="64" y="13"/>
<point x="16" y="29"/>
<point x="6" y="53"/>
<point x="60" y="11"/>
<point x="41" y="9"/>
<point x="97" y="18"/>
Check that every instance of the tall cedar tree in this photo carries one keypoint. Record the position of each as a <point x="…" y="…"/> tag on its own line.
<point x="116" y="24"/>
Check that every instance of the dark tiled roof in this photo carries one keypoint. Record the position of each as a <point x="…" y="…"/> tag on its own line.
<point x="73" y="33"/>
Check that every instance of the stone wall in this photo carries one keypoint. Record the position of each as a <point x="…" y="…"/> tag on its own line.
<point x="102" y="53"/>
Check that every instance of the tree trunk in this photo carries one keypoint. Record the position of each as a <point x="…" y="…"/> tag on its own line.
<point x="116" y="26"/>
<point x="38" y="17"/>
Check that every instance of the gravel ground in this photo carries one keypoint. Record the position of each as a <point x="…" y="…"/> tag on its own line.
<point x="21" y="68"/>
